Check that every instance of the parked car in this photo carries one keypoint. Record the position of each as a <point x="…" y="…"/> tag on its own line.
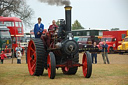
<point x="86" y="40"/>
<point x="76" y="38"/>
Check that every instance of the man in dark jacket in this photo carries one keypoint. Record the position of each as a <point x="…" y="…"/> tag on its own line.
<point x="105" y="52"/>
<point x="94" y="53"/>
<point x="38" y="28"/>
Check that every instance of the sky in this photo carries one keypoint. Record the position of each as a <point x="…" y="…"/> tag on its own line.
<point x="102" y="14"/>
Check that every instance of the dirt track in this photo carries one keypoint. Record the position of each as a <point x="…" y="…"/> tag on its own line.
<point x="115" y="73"/>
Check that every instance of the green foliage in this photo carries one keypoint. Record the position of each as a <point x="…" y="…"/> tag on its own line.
<point x="76" y="25"/>
<point x="57" y="23"/>
<point x="17" y="8"/>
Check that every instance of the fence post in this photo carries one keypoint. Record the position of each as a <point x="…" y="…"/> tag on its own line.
<point x="12" y="55"/>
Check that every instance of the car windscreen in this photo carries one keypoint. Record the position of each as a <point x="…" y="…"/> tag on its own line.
<point x="106" y="39"/>
<point x="5" y="34"/>
<point x="82" y="39"/>
<point x="21" y="39"/>
<point x="85" y="39"/>
<point x="126" y="40"/>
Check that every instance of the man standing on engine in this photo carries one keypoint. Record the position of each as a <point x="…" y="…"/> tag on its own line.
<point x="53" y="26"/>
<point x="38" y="28"/>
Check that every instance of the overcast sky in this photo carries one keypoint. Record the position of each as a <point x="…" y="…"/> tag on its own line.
<point x="104" y="14"/>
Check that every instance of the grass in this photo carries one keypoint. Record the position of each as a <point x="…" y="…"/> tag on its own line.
<point x="102" y="74"/>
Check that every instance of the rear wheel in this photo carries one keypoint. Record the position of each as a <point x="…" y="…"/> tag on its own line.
<point x="36" y="57"/>
<point x="87" y="65"/>
<point x="72" y="70"/>
<point x="51" y="64"/>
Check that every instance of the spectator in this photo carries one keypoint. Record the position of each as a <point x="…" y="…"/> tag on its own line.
<point x="2" y="56"/>
<point x="18" y="54"/>
<point x="105" y="52"/>
<point x="38" y="28"/>
<point x="94" y="53"/>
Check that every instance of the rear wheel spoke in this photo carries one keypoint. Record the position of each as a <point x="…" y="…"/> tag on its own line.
<point x="33" y="67"/>
<point x="32" y="49"/>
<point x="34" y="55"/>
<point x="30" y="58"/>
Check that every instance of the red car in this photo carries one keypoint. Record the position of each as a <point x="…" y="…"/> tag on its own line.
<point x="83" y="41"/>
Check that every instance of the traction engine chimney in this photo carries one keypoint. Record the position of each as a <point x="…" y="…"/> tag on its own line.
<point x="68" y="17"/>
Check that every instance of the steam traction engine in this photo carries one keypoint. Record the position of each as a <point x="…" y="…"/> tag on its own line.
<point x="57" y="49"/>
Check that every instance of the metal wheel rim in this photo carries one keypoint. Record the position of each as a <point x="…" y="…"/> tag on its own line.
<point x="31" y="52"/>
<point x="84" y="67"/>
<point x="49" y="66"/>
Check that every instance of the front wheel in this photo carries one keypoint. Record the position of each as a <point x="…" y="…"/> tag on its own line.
<point x="87" y="65"/>
<point x="51" y="64"/>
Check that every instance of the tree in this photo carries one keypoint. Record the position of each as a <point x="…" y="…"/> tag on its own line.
<point x="19" y="8"/>
<point x="114" y="29"/>
<point x="57" y="23"/>
<point x="76" y="25"/>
